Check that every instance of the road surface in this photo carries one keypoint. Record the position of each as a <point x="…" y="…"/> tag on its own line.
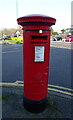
<point x="60" y="65"/>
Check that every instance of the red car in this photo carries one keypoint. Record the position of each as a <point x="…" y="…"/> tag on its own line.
<point x="69" y="39"/>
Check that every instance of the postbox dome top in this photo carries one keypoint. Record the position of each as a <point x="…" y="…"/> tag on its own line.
<point x="34" y="15"/>
<point x="36" y="18"/>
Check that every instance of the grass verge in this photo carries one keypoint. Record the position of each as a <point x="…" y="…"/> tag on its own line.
<point x="5" y="96"/>
<point x="13" y="41"/>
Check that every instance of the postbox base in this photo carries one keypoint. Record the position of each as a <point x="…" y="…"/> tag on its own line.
<point x="35" y="106"/>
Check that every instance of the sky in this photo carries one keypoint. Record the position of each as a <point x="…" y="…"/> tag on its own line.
<point x="58" y="9"/>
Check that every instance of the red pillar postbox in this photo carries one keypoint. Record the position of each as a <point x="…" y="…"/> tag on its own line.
<point x="36" y="50"/>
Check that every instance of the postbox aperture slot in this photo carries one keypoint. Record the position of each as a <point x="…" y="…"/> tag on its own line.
<point x="39" y="37"/>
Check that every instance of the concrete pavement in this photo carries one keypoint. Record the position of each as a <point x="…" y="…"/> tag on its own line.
<point x="58" y="106"/>
<point x="12" y="107"/>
